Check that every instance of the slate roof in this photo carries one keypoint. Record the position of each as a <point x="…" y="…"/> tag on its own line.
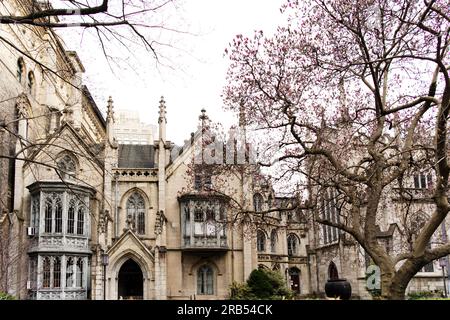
<point x="136" y="156"/>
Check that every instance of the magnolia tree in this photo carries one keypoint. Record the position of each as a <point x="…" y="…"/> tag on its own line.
<point x="352" y="98"/>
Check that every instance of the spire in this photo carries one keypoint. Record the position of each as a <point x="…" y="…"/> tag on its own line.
<point x="203" y="117"/>
<point x="110" y="121"/>
<point x="110" y="110"/>
<point x="162" y="110"/>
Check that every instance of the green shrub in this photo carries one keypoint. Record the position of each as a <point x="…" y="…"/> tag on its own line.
<point x="241" y="291"/>
<point x="419" y="295"/>
<point x="261" y="284"/>
<point x="5" y="296"/>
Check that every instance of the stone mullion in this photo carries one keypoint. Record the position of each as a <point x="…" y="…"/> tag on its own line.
<point x="63" y="274"/>
<point x="39" y="272"/>
<point x="41" y="213"/>
<point x="75" y="271"/>
<point x="216" y="222"/>
<point x="51" y="271"/>
<point x="65" y="207"/>
<point x="87" y="215"/>
<point x="192" y="222"/>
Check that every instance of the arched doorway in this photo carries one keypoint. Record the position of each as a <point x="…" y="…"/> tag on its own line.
<point x="333" y="273"/>
<point x="131" y="281"/>
<point x="294" y="277"/>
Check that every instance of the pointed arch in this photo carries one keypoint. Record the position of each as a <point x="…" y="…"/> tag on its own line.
<point x="258" y="201"/>
<point x="136" y="204"/>
<point x="293" y="244"/>
<point x="127" y="255"/>
<point x="273" y="240"/>
<point x="67" y="164"/>
<point x="261" y="239"/>
<point x="333" y="273"/>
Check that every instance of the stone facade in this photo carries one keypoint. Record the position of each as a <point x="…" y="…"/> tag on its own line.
<point x="87" y="217"/>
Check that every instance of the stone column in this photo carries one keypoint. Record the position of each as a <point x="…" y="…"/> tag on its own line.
<point x="21" y="106"/>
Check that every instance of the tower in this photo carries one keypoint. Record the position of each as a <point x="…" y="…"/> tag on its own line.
<point x="160" y="249"/>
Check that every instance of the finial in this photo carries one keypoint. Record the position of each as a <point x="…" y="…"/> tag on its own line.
<point x="203" y="116"/>
<point x="110" y="109"/>
<point x="162" y="110"/>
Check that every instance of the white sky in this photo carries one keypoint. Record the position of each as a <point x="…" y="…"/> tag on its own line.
<point x="198" y="71"/>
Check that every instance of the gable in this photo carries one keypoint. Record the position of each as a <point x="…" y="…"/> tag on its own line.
<point x="66" y="139"/>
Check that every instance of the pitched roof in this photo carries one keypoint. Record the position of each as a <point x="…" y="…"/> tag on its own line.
<point x="136" y="156"/>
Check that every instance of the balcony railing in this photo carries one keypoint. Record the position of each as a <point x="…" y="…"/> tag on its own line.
<point x="205" y="243"/>
<point x="407" y="194"/>
<point x="53" y="294"/>
<point x="266" y="257"/>
<point x="60" y="243"/>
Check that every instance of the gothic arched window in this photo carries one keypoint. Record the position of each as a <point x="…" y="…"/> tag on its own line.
<point x="205" y="280"/>
<point x="20" y="69"/>
<point x="71" y="217"/>
<point x="273" y="241"/>
<point x="79" y="277"/>
<point x="56" y="272"/>
<point x="48" y="219"/>
<point x="333" y="273"/>
<point x="261" y="241"/>
<point x="80" y="221"/>
<point x="67" y="166"/>
<point x="69" y="272"/>
<point x="46" y="272"/>
<point x="258" y="202"/>
<point x="53" y="213"/>
<point x="58" y="215"/>
<point x="330" y="212"/>
<point x="136" y="212"/>
<point x="292" y="242"/>
<point x="35" y="204"/>
<point x="31" y="83"/>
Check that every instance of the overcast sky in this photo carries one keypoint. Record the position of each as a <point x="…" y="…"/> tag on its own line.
<point x="196" y="73"/>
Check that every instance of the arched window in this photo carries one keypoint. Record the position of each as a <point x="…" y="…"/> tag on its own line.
<point x="69" y="272"/>
<point x="330" y="212"/>
<point x="261" y="241"/>
<point x="71" y="217"/>
<point x="257" y="202"/>
<point x="31" y="83"/>
<point x="53" y="214"/>
<point x="46" y="272"/>
<point x="58" y="215"/>
<point x="205" y="280"/>
<point x="48" y="219"/>
<point x="273" y="241"/>
<point x="67" y="166"/>
<point x="20" y="69"/>
<point x="80" y="264"/>
<point x="35" y="213"/>
<point x="136" y="212"/>
<point x="333" y="273"/>
<point x="56" y="272"/>
<point x="292" y="242"/>
<point x="80" y="221"/>
<point x="269" y="201"/>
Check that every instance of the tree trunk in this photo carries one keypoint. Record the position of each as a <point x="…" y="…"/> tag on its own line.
<point x="393" y="286"/>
